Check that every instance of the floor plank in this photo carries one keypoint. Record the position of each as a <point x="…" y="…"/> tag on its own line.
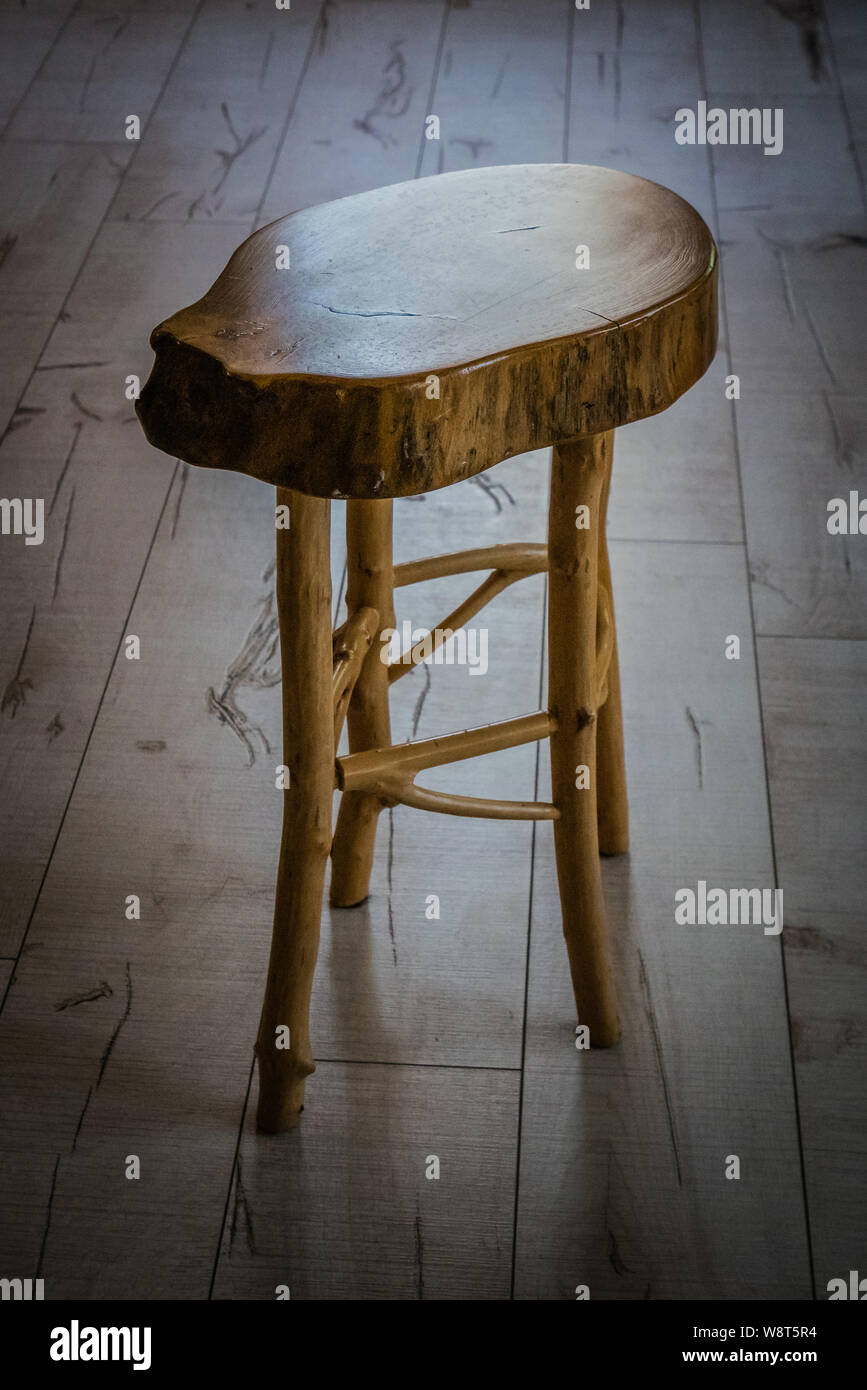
<point x="208" y="870"/>
<point x="344" y="1209"/>
<point x="110" y="61"/>
<point x="381" y="58"/>
<point x="815" y="707"/>
<point x="228" y="94"/>
<point x="676" y="475"/>
<point x="56" y="196"/>
<point x="501" y="87"/>
<point x="76" y="444"/>
<point x="797" y="454"/>
<point x="807" y="271"/>
<point x="26" y="36"/>
<point x="815" y="138"/>
<point x="845" y="20"/>
<point x="775" y="48"/>
<point x="623" y="1153"/>
<point x="622" y="106"/>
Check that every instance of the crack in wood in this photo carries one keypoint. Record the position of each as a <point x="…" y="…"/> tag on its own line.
<point x="68" y="366"/>
<point x="28" y="412"/>
<point x="847" y="558"/>
<point x="96" y="57"/>
<point x="473" y="145"/>
<point x="77" y="427"/>
<point x="228" y="159"/>
<point x="159" y="202"/>
<point x="419" y="704"/>
<point x="251" y="669"/>
<point x="58" y="567"/>
<point x="242" y="144"/>
<point x="324" y="22"/>
<point x="380" y="313"/>
<point x="185" y="470"/>
<point x="41" y="1260"/>
<point x="15" y="692"/>
<point x="758" y="572"/>
<point x="696" y="725"/>
<point x="660" y="1063"/>
<point x="81" y="1118"/>
<point x="7" y="242"/>
<point x="393" y="98"/>
<point x="481" y="480"/>
<point x="788" y="288"/>
<point x="836" y="241"/>
<point x="241" y="1205"/>
<point x="807" y="16"/>
<point x="266" y="60"/>
<point x="104" y="1060"/>
<point x="85" y="410"/>
<point x="499" y="80"/>
<point x="101" y="991"/>
<point x="842" y="455"/>
<point x="817" y="338"/>
<point x="55" y="728"/>
<point x="614" y="1259"/>
<point x="778" y="250"/>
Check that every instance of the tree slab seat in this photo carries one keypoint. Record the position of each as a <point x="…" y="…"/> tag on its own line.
<point x="319" y="376"/>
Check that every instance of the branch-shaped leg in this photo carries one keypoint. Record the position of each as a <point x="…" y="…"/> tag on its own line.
<point x="351" y="645"/>
<point x="610" y="758"/>
<point x="370" y="581"/>
<point x="304" y="604"/>
<point x="577" y="477"/>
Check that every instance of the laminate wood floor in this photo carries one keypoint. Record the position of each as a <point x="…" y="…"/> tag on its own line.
<point x="448" y="1038"/>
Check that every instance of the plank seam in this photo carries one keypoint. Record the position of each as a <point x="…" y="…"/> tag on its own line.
<point x="761" y="713"/>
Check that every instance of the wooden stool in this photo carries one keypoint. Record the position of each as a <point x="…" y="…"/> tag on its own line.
<point x="399" y="341"/>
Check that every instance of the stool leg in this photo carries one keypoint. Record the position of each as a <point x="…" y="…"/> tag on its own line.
<point x="304" y="604"/>
<point x="613" y="814"/>
<point x="578" y="472"/>
<point x="369" y="584"/>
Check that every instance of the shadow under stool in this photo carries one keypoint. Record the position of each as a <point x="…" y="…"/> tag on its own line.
<point x="395" y="342"/>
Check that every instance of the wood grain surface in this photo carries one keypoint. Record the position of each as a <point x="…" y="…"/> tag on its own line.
<point x="316" y="375"/>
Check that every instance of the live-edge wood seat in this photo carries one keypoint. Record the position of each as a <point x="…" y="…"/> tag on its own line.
<point x="315" y="376"/>
<point x="389" y="344"/>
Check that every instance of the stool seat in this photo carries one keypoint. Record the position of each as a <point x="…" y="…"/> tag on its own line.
<point x="400" y="340"/>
